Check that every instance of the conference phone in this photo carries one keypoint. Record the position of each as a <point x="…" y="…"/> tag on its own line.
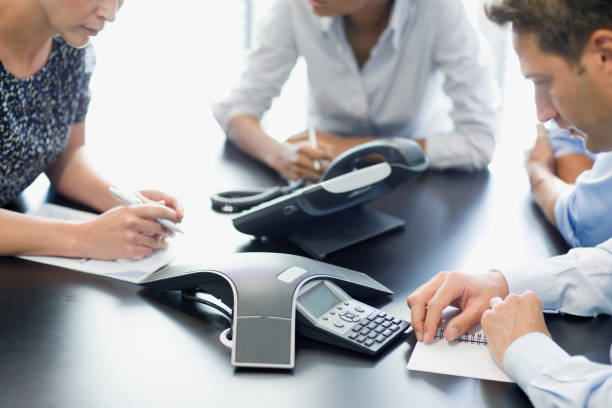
<point x="271" y="296"/>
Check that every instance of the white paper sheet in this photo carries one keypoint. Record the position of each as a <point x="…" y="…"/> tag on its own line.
<point x="464" y="358"/>
<point x="123" y="269"/>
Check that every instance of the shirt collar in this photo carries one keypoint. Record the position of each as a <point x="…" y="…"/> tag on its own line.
<point x="402" y="10"/>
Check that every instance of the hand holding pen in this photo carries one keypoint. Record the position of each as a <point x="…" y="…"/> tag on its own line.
<point x="303" y="155"/>
<point x="312" y="139"/>
<point x="127" y="231"/>
<point x="133" y="199"/>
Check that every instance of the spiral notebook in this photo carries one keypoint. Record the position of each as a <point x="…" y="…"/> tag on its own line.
<point x="468" y="356"/>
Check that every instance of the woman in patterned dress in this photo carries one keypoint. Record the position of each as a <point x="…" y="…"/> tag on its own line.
<point x="45" y="67"/>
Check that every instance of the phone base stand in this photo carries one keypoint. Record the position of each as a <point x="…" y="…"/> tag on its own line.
<point x="322" y="236"/>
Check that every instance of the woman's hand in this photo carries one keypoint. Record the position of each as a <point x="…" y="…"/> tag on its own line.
<point x="334" y="144"/>
<point x="159" y="197"/>
<point x="297" y="159"/>
<point x="126" y="231"/>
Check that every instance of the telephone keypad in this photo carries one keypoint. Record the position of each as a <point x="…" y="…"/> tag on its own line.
<point x="373" y="330"/>
<point x="367" y="328"/>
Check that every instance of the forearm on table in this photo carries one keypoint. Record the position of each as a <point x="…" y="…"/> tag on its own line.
<point x="468" y="148"/>
<point x="22" y="234"/>
<point x="546" y="189"/>
<point x="245" y="132"/>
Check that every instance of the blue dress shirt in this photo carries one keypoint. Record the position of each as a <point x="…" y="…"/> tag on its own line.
<point x="562" y="142"/>
<point x="582" y="213"/>
<point x="578" y="283"/>
<point x="426" y="78"/>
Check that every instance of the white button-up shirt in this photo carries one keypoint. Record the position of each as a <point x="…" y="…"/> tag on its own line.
<point x="426" y="78"/>
<point x="578" y="283"/>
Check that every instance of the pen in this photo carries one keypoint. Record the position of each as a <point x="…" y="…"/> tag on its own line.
<point x="132" y="199"/>
<point x="312" y="139"/>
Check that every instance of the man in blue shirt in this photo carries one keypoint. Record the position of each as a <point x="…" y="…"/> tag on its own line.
<point x="565" y="47"/>
<point x="572" y="186"/>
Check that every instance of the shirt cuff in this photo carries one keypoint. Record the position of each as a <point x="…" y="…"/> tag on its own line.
<point x="537" y="276"/>
<point x="529" y="355"/>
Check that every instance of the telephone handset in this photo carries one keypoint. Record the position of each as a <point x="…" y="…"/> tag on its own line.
<point x="398" y="152"/>
<point x="327" y="216"/>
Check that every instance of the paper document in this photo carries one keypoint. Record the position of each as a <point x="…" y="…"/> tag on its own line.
<point x="468" y="356"/>
<point x="123" y="269"/>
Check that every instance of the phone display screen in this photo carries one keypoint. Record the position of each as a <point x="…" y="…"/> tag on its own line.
<point x="318" y="300"/>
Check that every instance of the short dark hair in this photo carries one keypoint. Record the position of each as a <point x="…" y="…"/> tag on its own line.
<point x="561" y="27"/>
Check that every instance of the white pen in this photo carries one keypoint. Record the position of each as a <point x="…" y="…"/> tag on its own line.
<point x="132" y="199"/>
<point x="312" y="139"/>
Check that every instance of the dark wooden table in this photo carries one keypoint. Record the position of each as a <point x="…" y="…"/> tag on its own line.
<point x="70" y="339"/>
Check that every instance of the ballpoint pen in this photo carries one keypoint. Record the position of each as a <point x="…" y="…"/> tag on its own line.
<point x="132" y="199"/>
<point x="312" y="139"/>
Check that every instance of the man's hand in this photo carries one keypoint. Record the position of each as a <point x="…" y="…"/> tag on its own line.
<point x="541" y="155"/>
<point x="470" y="293"/>
<point x="510" y="319"/>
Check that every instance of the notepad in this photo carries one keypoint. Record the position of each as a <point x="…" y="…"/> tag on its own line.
<point x="467" y="356"/>
<point x="123" y="269"/>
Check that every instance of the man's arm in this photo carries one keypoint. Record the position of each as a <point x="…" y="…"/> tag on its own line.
<point x="569" y="166"/>
<point x="578" y="283"/>
<point x="546" y="187"/>
<point x="519" y="341"/>
<point x="571" y="157"/>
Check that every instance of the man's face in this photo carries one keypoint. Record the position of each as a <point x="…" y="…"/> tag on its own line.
<point x="577" y="96"/>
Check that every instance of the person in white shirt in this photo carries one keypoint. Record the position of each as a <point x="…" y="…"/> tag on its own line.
<point x="566" y="49"/>
<point x="376" y="68"/>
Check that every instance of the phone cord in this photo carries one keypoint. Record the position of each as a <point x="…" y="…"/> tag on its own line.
<point x="235" y="201"/>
